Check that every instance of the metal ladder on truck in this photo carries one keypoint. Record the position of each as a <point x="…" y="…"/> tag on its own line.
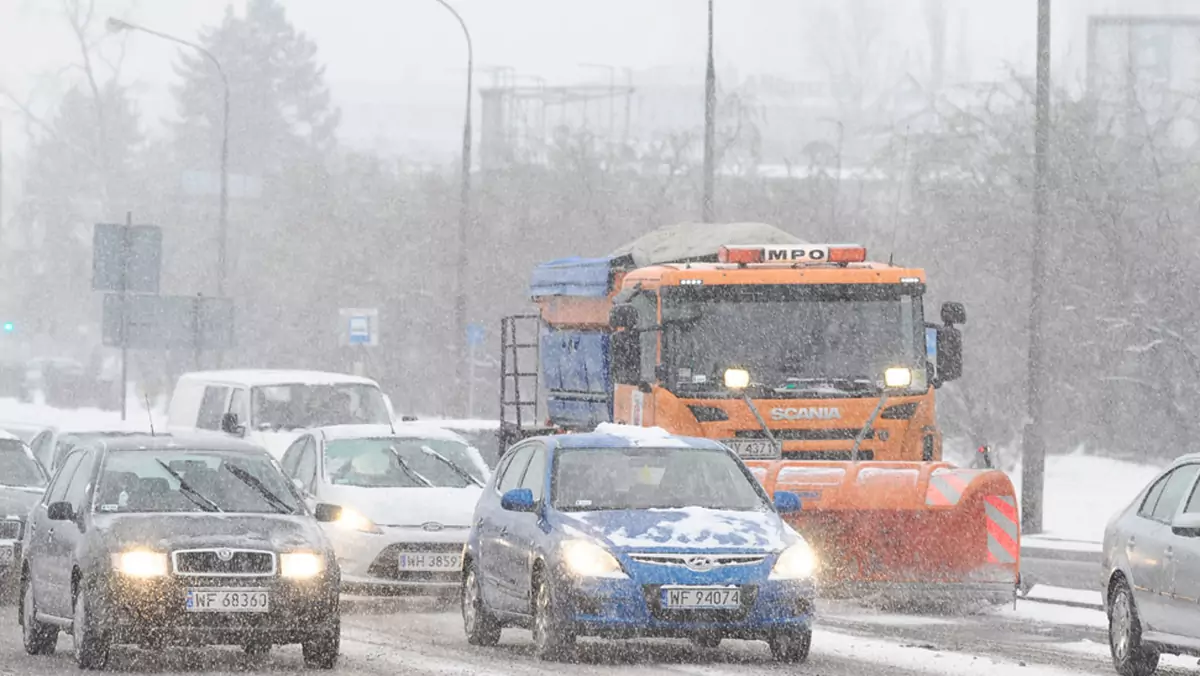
<point x="519" y="348"/>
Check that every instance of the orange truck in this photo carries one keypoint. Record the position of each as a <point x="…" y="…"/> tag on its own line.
<point x="816" y="366"/>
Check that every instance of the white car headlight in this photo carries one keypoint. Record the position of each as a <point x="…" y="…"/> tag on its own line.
<point x="588" y="559"/>
<point x="300" y="565"/>
<point x="140" y="563"/>
<point x="354" y="520"/>
<point x="797" y="562"/>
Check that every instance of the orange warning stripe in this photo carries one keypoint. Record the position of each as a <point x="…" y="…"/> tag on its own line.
<point x="1002" y="528"/>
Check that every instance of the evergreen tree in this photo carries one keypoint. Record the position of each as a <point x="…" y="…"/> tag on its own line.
<point x="280" y="107"/>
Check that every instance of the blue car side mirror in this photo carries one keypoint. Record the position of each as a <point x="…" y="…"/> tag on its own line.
<point x="519" y="500"/>
<point x="787" y="502"/>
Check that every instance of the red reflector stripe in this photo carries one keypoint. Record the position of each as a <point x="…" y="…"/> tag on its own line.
<point x="1002" y="529"/>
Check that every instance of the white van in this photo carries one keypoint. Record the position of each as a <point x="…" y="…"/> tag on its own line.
<point x="271" y="408"/>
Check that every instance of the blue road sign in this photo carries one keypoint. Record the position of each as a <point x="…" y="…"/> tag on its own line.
<point x="476" y="334"/>
<point x="360" y="330"/>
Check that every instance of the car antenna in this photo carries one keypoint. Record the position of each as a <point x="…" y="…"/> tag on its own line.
<point x="392" y="424"/>
<point x="149" y="413"/>
<point x="899" y="195"/>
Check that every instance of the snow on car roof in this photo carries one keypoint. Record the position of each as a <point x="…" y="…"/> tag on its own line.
<point x="260" y="377"/>
<point x="404" y="430"/>
<point x="612" y="435"/>
<point x="465" y="424"/>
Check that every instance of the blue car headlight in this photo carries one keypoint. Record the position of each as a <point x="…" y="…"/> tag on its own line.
<point x="583" y="558"/>
<point x="797" y="562"/>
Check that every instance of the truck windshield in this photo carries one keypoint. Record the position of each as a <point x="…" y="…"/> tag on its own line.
<point x="299" y="405"/>
<point x="796" y="340"/>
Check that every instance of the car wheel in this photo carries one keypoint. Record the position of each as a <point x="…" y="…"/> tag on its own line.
<point x="1130" y="656"/>
<point x="707" y="641"/>
<point x="40" y="638"/>
<point x="791" y="646"/>
<point x="321" y="651"/>
<point x="91" y="644"/>
<point x="478" y="622"/>
<point x="552" y="634"/>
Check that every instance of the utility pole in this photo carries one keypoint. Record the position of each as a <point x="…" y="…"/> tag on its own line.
<point x="710" y="104"/>
<point x="1033" y="452"/>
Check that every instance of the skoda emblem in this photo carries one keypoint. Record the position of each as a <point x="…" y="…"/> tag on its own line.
<point x="225" y="554"/>
<point x="698" y="563"/>
<point x="432" y="526"/>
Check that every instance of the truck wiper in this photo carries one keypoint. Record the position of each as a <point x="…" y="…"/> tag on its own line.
<point x="190" y="493"/>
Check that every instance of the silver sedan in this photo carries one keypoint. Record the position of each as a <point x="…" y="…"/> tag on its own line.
<point x="1151" y="572"/>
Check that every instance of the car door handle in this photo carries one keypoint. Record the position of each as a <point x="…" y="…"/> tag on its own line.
<point x="504" y="530"/>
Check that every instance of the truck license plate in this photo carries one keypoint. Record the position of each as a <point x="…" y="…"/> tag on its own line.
<point x="430" y="562"/>
<point x="228" y="601"/>
<point x="754" y="449"/>
<point x="701" y="597"/>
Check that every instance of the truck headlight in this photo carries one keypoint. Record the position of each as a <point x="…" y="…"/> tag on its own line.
<point x="300" y="565"/>
<point x="797" y="562"/>
<point x="587" y="559"/>
<point x="897" y="378"/>
<point x="140" y="563"/>
<point x="354" y="520"/>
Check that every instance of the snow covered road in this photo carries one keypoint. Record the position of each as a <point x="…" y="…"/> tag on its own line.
<point x="415" y="637"/>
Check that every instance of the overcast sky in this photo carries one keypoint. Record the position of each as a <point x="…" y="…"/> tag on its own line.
<point x="396" y="67"/>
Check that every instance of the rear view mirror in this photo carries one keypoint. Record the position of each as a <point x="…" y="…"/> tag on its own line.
<point x="949" y="354"/>
<point x="327" y="513"/>
<point x="623" y="317"/>
<point x="230" y="425"/>
<point x="953" y="313"/>
<point x="518" y="500"/>
<point x="60" y="511"/>
<point x="787" y="502"/>
<point x="1187" y="525"/>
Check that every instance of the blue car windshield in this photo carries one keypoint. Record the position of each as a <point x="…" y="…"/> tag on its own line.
<point x="652" y="478"/>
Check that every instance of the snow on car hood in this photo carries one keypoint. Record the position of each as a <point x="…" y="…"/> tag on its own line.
<point x="684" y="527"/>
<point x="408" y="506"/>
<point x="276" y="443"/>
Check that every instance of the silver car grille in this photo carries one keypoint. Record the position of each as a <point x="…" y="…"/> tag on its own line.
<point x="699" y="562"/>
<point x="223" y="562"/>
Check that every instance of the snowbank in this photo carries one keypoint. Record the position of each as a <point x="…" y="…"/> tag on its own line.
<point x="1083" y="492"/>
<point x="84" y="419"/>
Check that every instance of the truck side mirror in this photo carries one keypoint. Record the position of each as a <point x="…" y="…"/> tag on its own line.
<point x="230" y="425"/>
<point x="949" y="354"/>
<point x="623" y="316"/>
<point x="626" y="357"/>
<point x="953" y="313"/>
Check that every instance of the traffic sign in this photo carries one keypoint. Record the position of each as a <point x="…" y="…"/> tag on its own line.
<point x="126" y="257"/>
<point x="476" y="334"/>
<point x="360" y="327"/>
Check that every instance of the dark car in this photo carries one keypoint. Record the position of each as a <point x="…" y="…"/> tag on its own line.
<point x="22" y="482"/>
<point x="156" y="539"/>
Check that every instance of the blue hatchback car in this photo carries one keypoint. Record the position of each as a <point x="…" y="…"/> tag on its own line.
<point x="632" y="532"/>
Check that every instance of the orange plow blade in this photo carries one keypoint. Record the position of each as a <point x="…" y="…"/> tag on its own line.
<point x="908" y="529"/>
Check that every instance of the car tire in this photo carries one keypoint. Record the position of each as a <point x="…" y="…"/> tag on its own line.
<point x="321" y="651"/>
<point x="791" y="647"/>
<point x="553" y="637"/>
<point x="91" y="643"/>
<point x="39" y="638"/>
<point x="706" y="641"/>
<point x="1130" y="656"/>
<point x="480" y="625"/>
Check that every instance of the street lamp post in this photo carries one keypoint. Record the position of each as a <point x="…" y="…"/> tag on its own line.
<point x="710" y="104"/>
<point x="464" y="216"/>
<point x="117" y="25"/>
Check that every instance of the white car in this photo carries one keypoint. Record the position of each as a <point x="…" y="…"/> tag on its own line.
<point x="407" y="493"/>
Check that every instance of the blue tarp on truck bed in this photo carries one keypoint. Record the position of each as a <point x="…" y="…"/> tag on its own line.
<point x="585" y="277"/>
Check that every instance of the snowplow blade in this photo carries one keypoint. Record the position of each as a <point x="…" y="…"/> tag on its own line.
<point x="913" y="530"/>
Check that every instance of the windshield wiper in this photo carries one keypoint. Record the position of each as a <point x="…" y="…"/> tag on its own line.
<point x="190" y="493"/>
<point x="843" y="384"/>
<point x="408" y="470"/>
<point x="253" y="482"/>
<point x="453" y="466"/>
